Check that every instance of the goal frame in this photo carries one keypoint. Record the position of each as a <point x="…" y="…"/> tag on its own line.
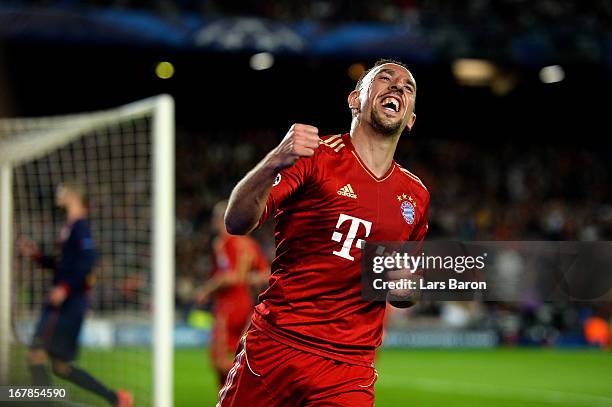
<point x="41" y="141"/>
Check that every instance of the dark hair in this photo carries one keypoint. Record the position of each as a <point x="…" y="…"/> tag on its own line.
<point x="377" y="64"/>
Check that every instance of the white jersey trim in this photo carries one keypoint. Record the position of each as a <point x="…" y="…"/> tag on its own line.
<point x="369" y="172"/>
<point x="412" y="176"/>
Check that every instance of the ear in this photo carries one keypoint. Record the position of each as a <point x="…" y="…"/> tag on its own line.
<point x="353" y="100"/>
<point x="411" y="122"/>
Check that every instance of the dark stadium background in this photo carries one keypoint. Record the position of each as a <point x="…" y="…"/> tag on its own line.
<point x="45" y="77"/>
<point x="529" y="162"/>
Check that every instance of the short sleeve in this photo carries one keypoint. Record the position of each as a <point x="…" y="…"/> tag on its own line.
<point x="287" y="182"/>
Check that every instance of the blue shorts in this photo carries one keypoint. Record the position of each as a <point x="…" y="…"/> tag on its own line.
<point x="58" y="329"/>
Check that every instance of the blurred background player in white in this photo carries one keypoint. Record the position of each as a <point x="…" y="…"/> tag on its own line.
<point x="62" y="315"/>
<point x="239" y="267"/>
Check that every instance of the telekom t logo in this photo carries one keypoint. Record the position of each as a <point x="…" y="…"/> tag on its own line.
<point x="351" y="235"/>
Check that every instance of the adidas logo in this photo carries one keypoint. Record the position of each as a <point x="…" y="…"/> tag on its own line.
<point x="347" y="190"/>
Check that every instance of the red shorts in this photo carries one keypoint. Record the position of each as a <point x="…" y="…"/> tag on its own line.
<point x="274" y="374"/>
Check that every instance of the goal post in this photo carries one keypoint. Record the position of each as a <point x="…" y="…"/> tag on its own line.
<point x="163" y="250"/>
<point x="6" y="243"/>
<point x="126" y="155"/>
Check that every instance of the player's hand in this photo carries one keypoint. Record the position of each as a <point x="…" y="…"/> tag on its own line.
<point x="58" y="295"/>
<point x="201" y="297"/>
<point x="27" y="247"/>
<point x="300" y="141"/>
<point x="404" y="298"/>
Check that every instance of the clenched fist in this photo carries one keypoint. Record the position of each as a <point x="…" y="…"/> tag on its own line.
<point x="400" y="297"/>
<point x="300" y="141"/>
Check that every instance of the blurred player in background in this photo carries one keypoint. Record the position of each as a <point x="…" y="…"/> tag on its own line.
<point x="239" y="266"/>
<point x="59" y="325"/>
<point x="313" y="339"/>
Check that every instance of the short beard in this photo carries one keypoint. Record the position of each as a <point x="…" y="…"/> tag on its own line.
<point x="385" y="129"/>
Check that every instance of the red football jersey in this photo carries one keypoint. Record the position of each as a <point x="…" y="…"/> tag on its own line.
<point x="228" y="252"/>
<point x="326" y="207"/>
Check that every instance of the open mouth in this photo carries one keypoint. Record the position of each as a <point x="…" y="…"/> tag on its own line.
<point x="391" y="104"/>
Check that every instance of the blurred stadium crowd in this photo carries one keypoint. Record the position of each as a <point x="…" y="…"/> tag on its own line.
<point x="480" y="191"/>
<point x="525" y="29"/>
<point x="527" y="13"/>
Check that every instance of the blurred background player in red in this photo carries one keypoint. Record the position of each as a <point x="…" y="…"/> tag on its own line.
<point x="64" y="310"/>
<point x="239" y="269"/>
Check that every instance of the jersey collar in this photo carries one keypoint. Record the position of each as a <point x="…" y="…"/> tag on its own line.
<point x="346" y="137"/>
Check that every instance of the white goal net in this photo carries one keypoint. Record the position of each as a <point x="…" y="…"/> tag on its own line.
<point x="124" y="158"/>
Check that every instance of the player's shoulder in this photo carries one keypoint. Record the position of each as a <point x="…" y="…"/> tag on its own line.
<point x="333" y="144"/>
<point x="81" y="226"/>
<point x="411" y="178"/>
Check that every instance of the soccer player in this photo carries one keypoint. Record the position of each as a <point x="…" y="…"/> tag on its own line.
<point x="312" y="340"/>
<point x="238" y="266"/>
<point x="60" y="322"/>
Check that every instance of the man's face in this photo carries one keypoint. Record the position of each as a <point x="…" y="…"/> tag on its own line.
<point x="387" y="98"/>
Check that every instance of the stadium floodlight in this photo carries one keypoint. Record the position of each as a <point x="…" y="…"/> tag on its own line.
<point x="125" y="159"/>
<point x="552" y="74"/>
<point x="261" y="61"/>
<point x="474" y="72"/>
<point x="164" y="70"/>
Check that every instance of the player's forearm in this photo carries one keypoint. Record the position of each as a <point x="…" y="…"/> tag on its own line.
<point x="247" y="201"/>
<point x="216" y="283"/>
<point x="210" y="287"/>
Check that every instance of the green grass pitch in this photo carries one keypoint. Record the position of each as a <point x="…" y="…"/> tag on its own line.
<point x="450" y="378"/>
<point x="453" y="378"/>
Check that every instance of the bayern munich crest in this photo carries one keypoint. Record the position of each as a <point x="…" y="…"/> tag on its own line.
<point x="407" y="208"/>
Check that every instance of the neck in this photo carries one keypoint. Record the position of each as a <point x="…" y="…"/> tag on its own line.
<point x="376" y="150"/>
<point x="75" y="213"/>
